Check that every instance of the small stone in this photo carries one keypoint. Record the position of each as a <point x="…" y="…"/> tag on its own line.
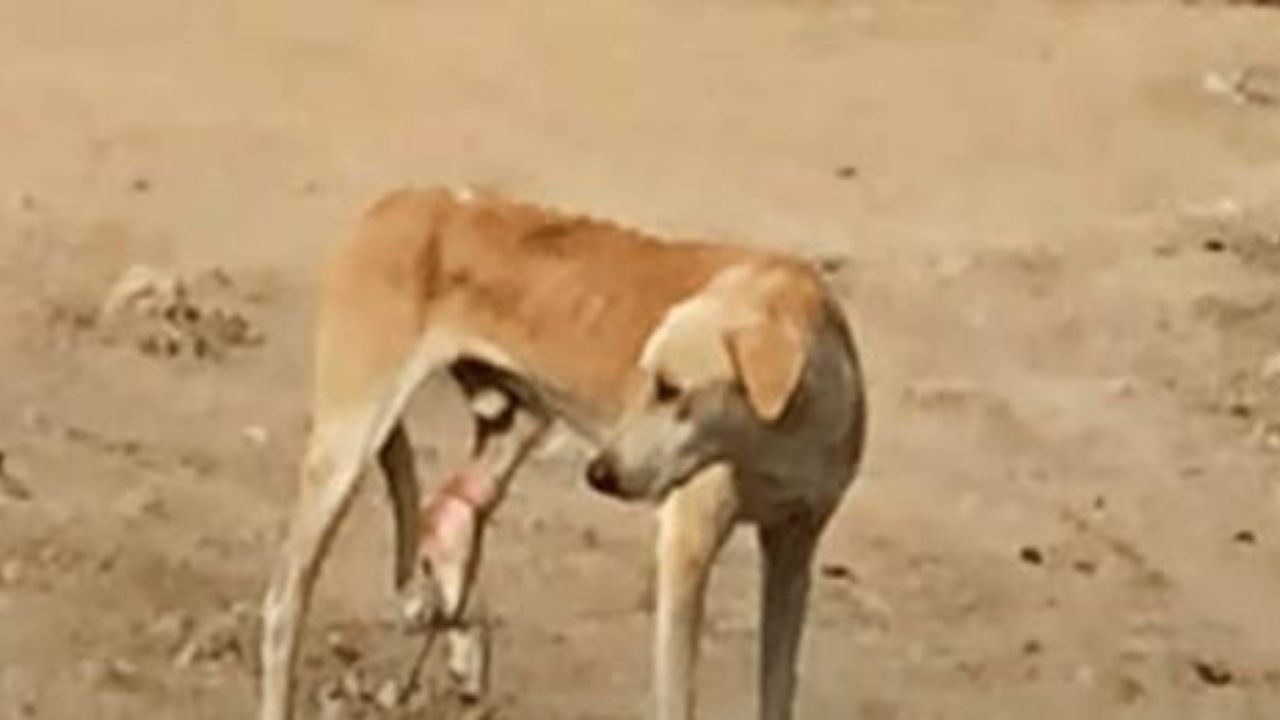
<point x="1032" y="647"/>
<point x="1214" y="245"/>
<point x="1085" y="567"/>
<point x="9" y="485"/>
<point x="1031" y="555"/>
<point x="846" y="172"/>
<point x="342" y="649"/>
<point x="837" y="571"/>
<point x="140" y="185"/>
<point x="1257" y="85"/>
<point x="1265" y="434"/>
<point x="1240" y="409"/>
<point x="217" y="641"/>
<point x="110" y="673"/>
<point x="256" y="435"/>
<point x="142" y="502"/>
<point x="142" y="289"/>
<point x="1245" y="537"/>
<point x="352" y="684"/>
<point x="1212" y="672"/>
<point x="170" y="631"/>
<point x="332" y="704"/>
<point x="243" y="611"/>
<point x="388" y="695"/>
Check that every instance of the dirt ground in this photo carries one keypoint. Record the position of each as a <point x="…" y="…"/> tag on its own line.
<point x="1056" y="225"/>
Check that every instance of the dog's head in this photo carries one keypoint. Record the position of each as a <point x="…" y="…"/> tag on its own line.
<point x="720" y="368"/>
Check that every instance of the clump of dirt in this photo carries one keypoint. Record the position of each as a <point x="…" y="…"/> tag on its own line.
<point x="163" y="314"/>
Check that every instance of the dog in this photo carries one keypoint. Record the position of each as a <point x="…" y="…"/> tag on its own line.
<point x="718" y="382"/>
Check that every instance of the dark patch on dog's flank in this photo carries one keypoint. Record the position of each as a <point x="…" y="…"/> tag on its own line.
<point x="455" y="278"/>
<point x="549" y="238"/>
<point x="427" y="265"/>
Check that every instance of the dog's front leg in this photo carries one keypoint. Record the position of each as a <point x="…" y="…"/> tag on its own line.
<point x="694" y="522"/>
<point x="788" y="548"/>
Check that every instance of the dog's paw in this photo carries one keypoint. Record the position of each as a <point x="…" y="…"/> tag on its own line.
<point x="469" y="661"/>
<point x="416" y="604"/>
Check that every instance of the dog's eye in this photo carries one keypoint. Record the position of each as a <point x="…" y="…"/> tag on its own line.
<point x="665" y="391"/>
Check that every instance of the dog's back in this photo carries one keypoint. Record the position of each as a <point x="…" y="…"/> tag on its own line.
<point x="541" y="284"/>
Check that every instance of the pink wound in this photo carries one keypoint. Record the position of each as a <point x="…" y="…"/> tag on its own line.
<point x="446" y="523"/>
<point x="476" y="489"/>
<point x="448" y="517"/>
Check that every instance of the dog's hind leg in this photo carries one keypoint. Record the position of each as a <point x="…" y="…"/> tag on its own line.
<point x="788" y="548"/>
<point x="340" y="446"/>
<point x="342" y="442"/>
<point x="328" y="480"/>
<point x="358" y="405"/>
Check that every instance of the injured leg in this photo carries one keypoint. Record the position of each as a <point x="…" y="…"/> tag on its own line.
<point x="452" y="523"/>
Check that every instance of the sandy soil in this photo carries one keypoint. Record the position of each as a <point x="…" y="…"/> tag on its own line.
<point x="1056" y="225"/>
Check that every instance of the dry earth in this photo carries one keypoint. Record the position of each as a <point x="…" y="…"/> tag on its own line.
<point x="1055" y="223"/>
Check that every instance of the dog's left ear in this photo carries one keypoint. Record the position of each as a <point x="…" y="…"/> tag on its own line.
<point x="769" y="358"/>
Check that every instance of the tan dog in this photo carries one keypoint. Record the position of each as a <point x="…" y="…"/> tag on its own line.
<point x="719" y="381"/>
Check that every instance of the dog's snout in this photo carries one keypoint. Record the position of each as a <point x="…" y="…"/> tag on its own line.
<point x="602" y="475"/>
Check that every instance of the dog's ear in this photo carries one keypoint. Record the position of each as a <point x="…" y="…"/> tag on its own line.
<point x="769" y="359"/>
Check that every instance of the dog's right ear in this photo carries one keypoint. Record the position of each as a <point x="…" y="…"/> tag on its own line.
<point x="768" y="357"/>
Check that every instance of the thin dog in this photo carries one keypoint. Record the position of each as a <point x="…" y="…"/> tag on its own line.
<point x="719" y="382"/>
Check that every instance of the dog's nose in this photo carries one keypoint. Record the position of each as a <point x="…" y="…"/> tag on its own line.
<point x="602" y="476"/>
